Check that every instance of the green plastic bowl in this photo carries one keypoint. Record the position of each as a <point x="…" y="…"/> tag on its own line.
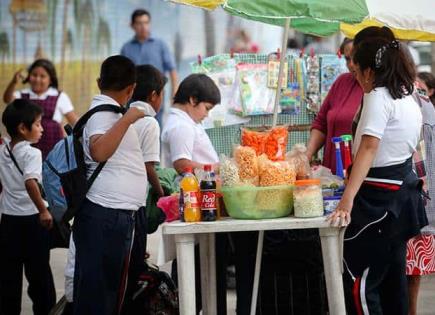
<point x="246" y="202"/>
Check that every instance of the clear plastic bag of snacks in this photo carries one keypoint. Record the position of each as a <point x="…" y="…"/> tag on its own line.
<point x="246" y="160"/>
<point x="272" y="142"/>
<point x="275" y="173"/>
<point x="229" y="172"/>
<point x="298" y="157"/>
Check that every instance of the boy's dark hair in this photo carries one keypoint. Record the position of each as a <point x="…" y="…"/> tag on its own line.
<point x="148" y="79"/>
<point x="390" y="64"/>
<point x="48" y="66"/>
<point x="20" y="111"/>
<point x="137" y="13"/>
<point x="199" y="87"/>
<point x="117" y="72"/>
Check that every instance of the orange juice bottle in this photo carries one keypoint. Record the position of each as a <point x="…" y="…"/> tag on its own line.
<point x="190" y="187"/>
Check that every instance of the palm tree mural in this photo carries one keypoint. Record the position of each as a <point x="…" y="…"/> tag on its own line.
<point x="104" y="42"/>
<point x="4" y="48"/>
<point x="52" y="15"/>
<point x="28" y="16"/>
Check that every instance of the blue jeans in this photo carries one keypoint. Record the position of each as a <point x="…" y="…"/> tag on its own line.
<point x="103" y="240"/>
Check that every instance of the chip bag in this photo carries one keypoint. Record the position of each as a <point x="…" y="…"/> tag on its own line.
<point x="297" y="156"/>
<point x="246" y="160"/>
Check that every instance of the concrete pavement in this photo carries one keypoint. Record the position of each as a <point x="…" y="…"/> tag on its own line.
<point x="58" y="261"/>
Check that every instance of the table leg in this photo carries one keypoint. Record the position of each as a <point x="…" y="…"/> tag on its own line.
<point x="186" y="272"/>
<point x="332" y="261"/>
<point x="258" y="260"/>
<point x="208" y="273"/>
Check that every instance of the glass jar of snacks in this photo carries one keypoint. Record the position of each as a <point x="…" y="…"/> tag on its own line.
<point x="308" y="198"/>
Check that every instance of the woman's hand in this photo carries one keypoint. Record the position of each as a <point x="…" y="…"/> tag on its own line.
<point x="341" y="216"/>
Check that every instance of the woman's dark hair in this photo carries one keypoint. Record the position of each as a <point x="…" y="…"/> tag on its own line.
<point x="345" y="42"/>
<point x="117" y="72"/>
<point x="373" y="31"/>
<point x="391" y="66"/>
<point x="20" y="111"/>
<point x="199" y="87"/>
<point x="148" y="79"/>
<point x="428" y="79"/>
<point x="137" y="13"/>
<point x="48" y="66"/>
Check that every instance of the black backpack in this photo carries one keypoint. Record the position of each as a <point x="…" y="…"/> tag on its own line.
<point x="64" y="170"/>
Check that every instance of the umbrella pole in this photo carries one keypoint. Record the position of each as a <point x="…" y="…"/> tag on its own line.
<point x="281" y="70"/>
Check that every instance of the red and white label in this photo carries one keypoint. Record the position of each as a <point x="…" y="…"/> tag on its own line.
<point x="191" y="199"/>
<point x="208" y="200"/>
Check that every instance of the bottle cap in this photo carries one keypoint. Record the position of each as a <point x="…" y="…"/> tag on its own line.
<point x="207" y="168"/>
<point x="346" y="137"/>
<point x="336" y="139"/>
<point x="188" y="170"/>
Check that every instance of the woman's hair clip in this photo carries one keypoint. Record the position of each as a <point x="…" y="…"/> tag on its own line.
<point x="378" y="58"/>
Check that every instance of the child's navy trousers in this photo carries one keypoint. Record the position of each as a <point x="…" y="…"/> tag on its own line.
<point x="103" y="239"/>
<point x="24" y="244"/>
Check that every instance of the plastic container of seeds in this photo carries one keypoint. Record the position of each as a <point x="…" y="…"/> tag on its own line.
<point x="308" y="198"/>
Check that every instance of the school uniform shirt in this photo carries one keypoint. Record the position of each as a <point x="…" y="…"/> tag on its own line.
<point x="148" y="130"/>
<point x="122" y="183"/>
<point x="183" y="138"/>
<point x="14" y="199"/>
<point x="397" y="123"/>
<point x="63" y="106"/>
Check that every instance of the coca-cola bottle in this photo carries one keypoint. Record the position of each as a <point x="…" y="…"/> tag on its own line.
<point x="208" y="195"/>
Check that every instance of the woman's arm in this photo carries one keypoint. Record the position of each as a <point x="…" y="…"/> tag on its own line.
<point x="363" y="162"/>
<point x="316" y="141"/>
<point x="8" y="95"/>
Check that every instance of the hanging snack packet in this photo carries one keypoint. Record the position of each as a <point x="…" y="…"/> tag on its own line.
<point x="276" y="144"/>
<point x="254" y="139"/>
<point x="246" y="160"/>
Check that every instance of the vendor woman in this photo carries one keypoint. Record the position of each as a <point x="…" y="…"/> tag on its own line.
<point x="382" y="200"/>
<point x="185" y="144"/>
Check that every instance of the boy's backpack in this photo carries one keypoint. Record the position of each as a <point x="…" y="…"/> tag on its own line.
<point x="64" y="170"/>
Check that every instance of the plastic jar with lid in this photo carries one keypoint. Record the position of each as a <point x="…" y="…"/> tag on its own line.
<point x="308" y="198"/>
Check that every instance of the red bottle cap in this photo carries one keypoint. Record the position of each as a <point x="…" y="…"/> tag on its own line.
<point x="188" y="170"/>
<point x="207" y="168"/>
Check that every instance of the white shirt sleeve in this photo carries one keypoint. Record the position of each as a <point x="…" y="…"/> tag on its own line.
<point x="375" y="114"/>
<point x="17" y="94"/>
<point x="100" y="122"/>
<point x="33" y="165"/>
<point x="63" y="107"/>
<point x="181" y="142"/>
<point x="148" y="131"/>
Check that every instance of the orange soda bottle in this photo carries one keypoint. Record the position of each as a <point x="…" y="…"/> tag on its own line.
<point x="192" y="196"/>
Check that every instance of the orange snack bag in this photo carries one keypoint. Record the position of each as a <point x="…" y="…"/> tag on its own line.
<point x="254" y="139"/>
<point x="272" y="142"/>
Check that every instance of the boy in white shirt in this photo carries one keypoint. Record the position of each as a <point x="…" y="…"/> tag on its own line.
<point x="25" y="220"/>
<point x="103" y="227"/>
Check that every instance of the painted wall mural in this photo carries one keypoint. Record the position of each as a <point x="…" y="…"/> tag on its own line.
<point x="78" y="34"/>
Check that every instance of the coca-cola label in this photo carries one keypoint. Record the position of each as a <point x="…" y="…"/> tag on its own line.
<point x="208" y="200"/>
<point x="191" y="199"/>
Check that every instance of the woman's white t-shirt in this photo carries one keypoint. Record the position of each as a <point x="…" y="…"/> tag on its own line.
<point x="63" y="105"/>
<point x="183" y="138"/>
<point x="397" y="123"/>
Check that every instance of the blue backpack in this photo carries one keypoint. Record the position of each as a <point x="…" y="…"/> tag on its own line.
<point x="64" y="172"/>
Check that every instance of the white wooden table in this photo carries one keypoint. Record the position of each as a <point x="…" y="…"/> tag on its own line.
<point x="185" y="241"/>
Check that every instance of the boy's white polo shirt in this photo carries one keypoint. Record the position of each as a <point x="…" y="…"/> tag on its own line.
<point x="148" y="130"/>
<point x="122" y="183"/>
<point x="14" y="199"/>
<point x="183" y="138"/>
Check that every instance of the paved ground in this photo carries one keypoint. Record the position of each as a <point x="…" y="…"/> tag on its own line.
<point x="58" y="260"/>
